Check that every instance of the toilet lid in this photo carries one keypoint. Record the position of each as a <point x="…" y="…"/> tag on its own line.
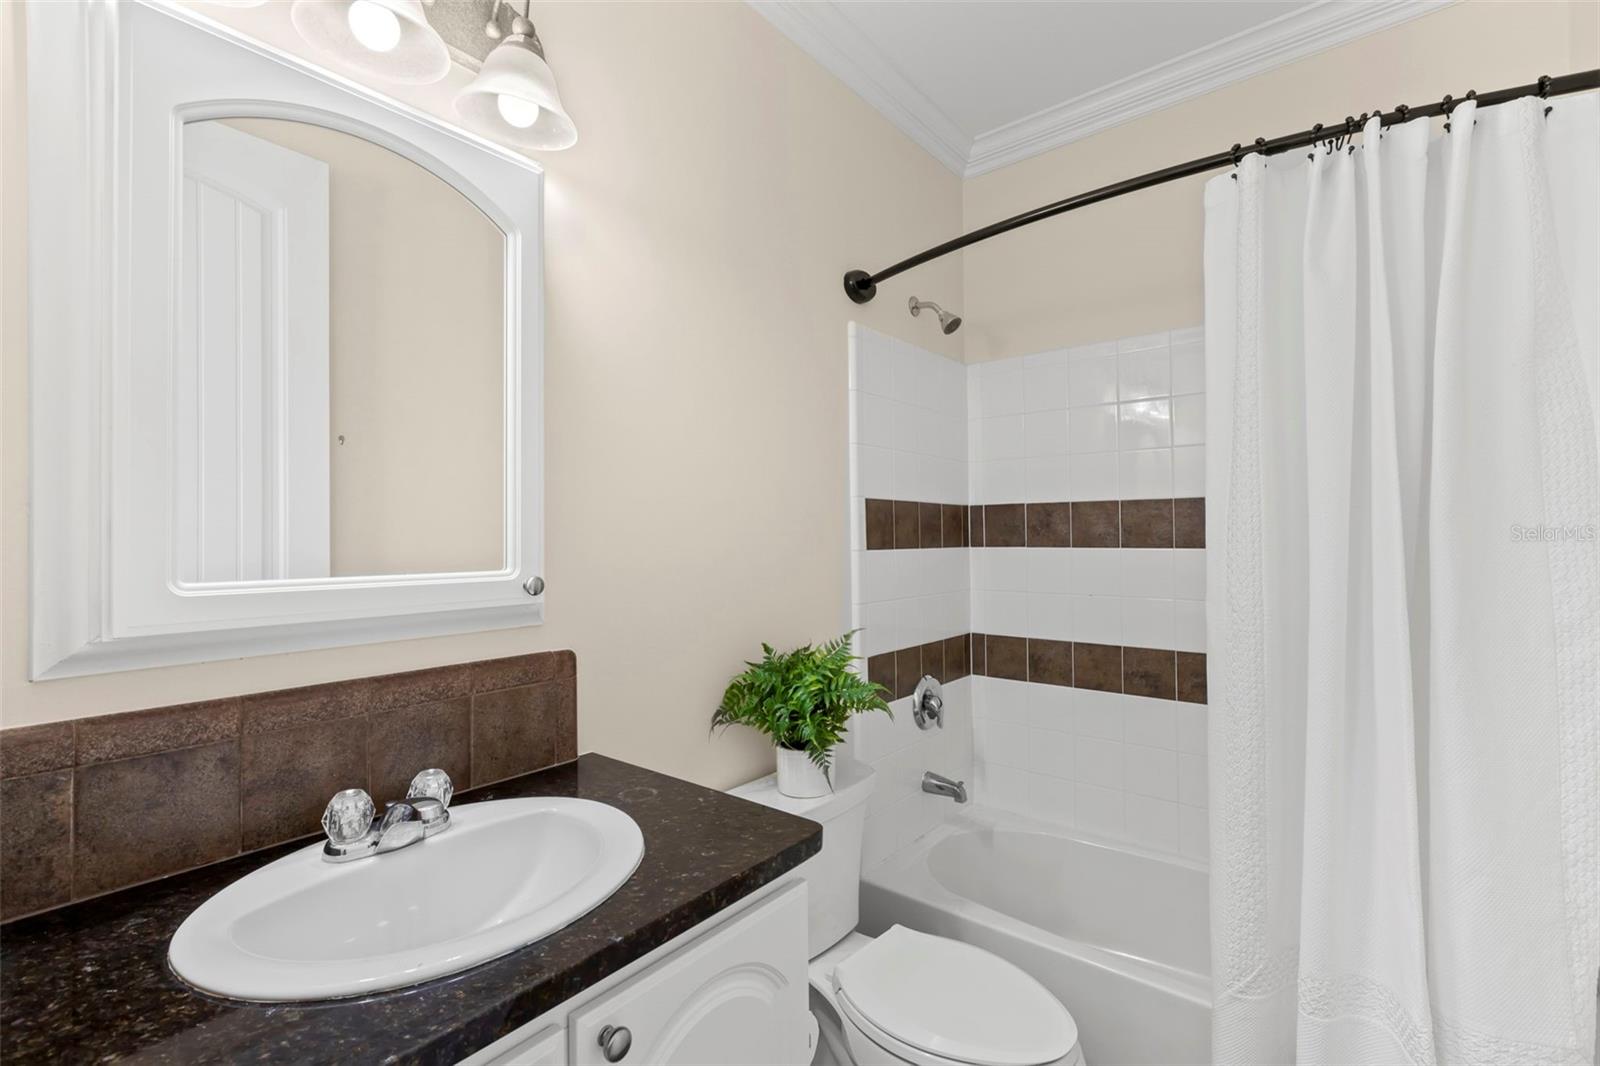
<point x="956" y="1001"/>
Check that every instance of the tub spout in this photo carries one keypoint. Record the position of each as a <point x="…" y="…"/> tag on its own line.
<point x="940" y="785"/>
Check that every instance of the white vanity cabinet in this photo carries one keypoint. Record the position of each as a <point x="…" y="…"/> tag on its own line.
<point x="730" y="991"/>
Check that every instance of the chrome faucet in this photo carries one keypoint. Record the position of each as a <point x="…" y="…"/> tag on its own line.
<point x="940" y="785"/>
<point x="348" y="819"/>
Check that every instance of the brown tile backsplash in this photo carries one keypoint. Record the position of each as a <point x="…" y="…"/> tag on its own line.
<point x="188" y="725"/>
<point x="101" y="803"/>
<point x="957" y="657"/>
<point x="1097" y="666"/>
<point x="32" y="749"/>
<point x="519" y="730"/>
<point x="907" y="525"/>
<point x="1050" y="662"/>
<point x="930" y="525"/>
<point x="953" y="525"/>
<point x="1049" y="525"/>
<point x="152" y="815"/>
<point x="1149" y="672"/>
<point x="1189" y="522"/>
<point x="35" y="842"/>
<point x="1192" y="677"/>
<point x="1147" y="523"/>
<point x="287" y="775"/>
<point x="1004" y="526"/>
<point x="880" y="525"/>
<point x="1006" y="657"/>
<point x="907" y="671"/>
<point x="1095" y="524"/>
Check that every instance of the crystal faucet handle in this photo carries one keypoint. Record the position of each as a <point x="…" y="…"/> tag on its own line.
<point x="348" y="817"/>
<point x="433" y="783"/>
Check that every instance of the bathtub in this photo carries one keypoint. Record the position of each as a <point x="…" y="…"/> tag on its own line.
<point x="1119" y="935"/>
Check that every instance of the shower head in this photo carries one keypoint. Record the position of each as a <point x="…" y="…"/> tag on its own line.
<point x="948" y="322"/>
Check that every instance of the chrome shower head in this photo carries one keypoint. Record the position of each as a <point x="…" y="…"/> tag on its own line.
<point x="948" y="322"/>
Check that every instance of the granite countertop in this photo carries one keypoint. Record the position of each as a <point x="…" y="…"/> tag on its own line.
<point x="90" y="982"/>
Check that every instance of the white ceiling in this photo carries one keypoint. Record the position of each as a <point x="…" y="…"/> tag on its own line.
<point x="984" y="83"/>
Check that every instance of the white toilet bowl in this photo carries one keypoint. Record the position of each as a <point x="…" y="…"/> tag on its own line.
<point x="907" y="997"/>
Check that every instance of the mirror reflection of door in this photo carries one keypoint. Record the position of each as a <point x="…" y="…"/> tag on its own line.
<point x="251" y="433"/>
<point x="341" y="364"/>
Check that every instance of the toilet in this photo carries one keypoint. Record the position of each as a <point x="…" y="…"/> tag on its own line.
<point x="906" y="996"/>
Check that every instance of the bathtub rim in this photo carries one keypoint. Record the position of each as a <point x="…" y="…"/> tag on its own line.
<point x="907" y="873"/>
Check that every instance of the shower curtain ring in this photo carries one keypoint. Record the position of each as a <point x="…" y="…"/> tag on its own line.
<point x="1544" y="92"/>
<point x="1234" y="152"/>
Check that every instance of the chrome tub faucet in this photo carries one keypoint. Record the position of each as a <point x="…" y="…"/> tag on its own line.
<point x="349" y="819"/>
<point x="940" y="785"/>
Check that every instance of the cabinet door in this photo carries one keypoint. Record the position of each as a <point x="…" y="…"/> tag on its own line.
<point x="737" y="996"/>
<point x="547" y="1047"/>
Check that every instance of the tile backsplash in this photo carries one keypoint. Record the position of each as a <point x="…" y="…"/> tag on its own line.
<point x="100" y="803"/>
<point x="1073" y="566"/>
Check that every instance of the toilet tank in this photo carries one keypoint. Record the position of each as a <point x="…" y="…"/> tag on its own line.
<point x="833" y="875"/>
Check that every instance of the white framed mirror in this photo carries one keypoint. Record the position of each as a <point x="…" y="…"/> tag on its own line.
<point x="287" y="366"/>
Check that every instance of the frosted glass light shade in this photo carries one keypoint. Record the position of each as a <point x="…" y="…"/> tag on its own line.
<point x="420" y="56"/>
<point x="514" y="69"/>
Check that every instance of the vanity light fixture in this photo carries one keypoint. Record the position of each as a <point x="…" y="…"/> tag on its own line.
<point x="388" y="39"/>
<point x="514" y="97"/>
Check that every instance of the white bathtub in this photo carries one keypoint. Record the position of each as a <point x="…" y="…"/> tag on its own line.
<point x="1119" y="935"/>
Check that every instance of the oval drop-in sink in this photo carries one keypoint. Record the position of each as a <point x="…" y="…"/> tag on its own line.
<point x="506" y="873"/>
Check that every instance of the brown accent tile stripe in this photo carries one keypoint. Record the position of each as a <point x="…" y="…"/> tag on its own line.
<point x="101" y="803"/>
<point x="1159" y="673"/>
<point x="1174" y="523"/>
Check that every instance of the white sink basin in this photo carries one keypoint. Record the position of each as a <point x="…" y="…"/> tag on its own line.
<point x="506" y="873"/>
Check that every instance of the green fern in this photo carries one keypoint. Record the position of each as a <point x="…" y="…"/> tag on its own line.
<point x="803" y="699"/>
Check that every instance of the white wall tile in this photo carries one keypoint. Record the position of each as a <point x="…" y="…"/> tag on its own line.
<point x="1097" y="619"/>
<point x="1146" y="474"/>
<point x="1189" y="573"/>
<point x="1194" y="833"/>
<point x="1050" y="617"/>
<point x="1052" y="752"/>
<point x="1144" y="424"/>
<point x="1099" y="762"/>
<point x="1189" y="419"/>
<point x="1045" y="381"/>
<point x="1144" y="373"/>
<point x="1146" y="572"/>
<point x="1049" y="570"/>
<point x="1000" y="437"/>
<point x="1045" y="433"/>
<point x="1093" y="429"/>
<point x="1095" y="476"/>
<point x="1049" y="707"/>
<point x="1098" y="714"/>
<point x="1046" y="479"/>
<point x="1151" y="822"/>
<point x="1097" y="571"/>
<point x="1001" y="386"/>
<point x="1092" y="380"/>
<point x="1188" y="366"/>
<point x="1052" y="798"/>
<point x="1098" y="810"/>
<point x="1147" y="623"/>
<point x="1191" y="728"/>
<point x="1144" y="341"/>
<point x="1150" y="771"/>
<point x="1189" y="471"/>
<point x="1192" y="780"/>
<point x="1150" y="722"/>
<point x="1188" y="625"/>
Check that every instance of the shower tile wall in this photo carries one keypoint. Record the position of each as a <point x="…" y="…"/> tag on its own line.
<point x="1116" y="431"/>
<point x="908" y="455"/>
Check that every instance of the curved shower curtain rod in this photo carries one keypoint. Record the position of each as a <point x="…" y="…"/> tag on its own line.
<point x="861" y="286"/>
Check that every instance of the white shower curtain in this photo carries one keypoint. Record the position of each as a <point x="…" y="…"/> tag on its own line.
<point x="1404" y="607"/>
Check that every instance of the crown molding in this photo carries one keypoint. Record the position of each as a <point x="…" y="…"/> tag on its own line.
<point x="1317" y="28"/>
<point x="823" y="31"/>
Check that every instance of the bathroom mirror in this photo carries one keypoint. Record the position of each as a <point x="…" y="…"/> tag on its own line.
<point x="340" y="361"/>
<point x="286" y="353"/>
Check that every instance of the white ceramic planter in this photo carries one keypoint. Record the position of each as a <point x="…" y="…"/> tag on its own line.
<point x="799" y="777"/>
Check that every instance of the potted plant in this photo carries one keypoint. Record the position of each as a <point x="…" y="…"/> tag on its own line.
<point x="803" y="699"/>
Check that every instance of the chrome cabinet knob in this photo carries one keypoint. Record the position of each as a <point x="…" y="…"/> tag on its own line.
<point x="615" y="1040"/>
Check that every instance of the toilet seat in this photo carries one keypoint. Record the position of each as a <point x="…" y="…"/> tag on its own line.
<point x="927" y="999"/>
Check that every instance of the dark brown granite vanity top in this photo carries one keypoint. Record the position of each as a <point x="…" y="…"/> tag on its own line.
<point x="90" y="983"/>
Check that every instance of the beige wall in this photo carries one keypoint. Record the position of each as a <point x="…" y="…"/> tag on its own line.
<point x="1132" y="265"/>
<point x="696" y="379"/>
<point x="415" y="361"/>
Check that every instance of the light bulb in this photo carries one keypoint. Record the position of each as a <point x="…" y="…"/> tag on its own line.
<point x="517" y="111"/>
<point x="374" y="25"/>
